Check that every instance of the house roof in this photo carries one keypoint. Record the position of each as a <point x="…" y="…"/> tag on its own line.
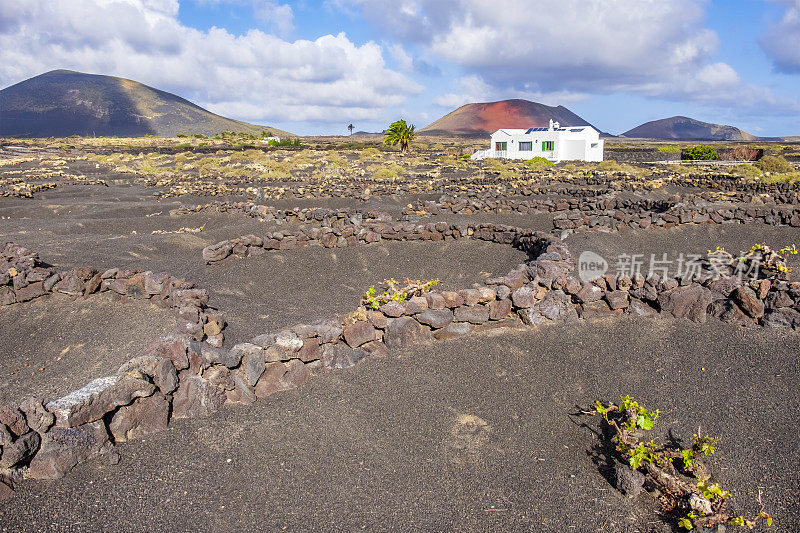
<point x="515" y="131"/>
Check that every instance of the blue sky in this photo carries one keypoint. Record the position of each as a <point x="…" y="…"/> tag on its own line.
<point x="314" y="66"/>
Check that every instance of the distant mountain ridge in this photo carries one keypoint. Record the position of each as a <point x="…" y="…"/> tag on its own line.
<point x="688" y="129"/>
<point x="61" y="103"/>
<point x="488" y="117"/>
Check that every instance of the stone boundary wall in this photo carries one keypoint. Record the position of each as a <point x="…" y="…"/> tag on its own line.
<point x="617" y="219"/>
<point x="347" y="227"/>
<point x="268" y="213"/>
<point x="367" y="232"/>
<point x="471" y="205"/>
<point x="44" y="440"/>
<point x="640" y="156"/>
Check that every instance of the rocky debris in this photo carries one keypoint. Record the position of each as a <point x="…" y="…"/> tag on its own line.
<point x="340" y="355"/>
<point x="453" y="331"/>
<point x="690" y="302"/>
<point x="628" y="481"/>
<point x="19" y="451"/>
<point x="142" y="417"/>
<point x="63" y="448"/>
<point x="359" y="333"/>
<point x="405" y="331"/>
<point x="173" y="348"/>
<point x="242" y="392"/>
<point x="211" y="355"/>
<point x="97" y="398"/>
<point x="159" y="370"/>
<point x="617" y="299"/>
<point x="435" y="318"/>
<point x="523" y="297"/>
<point x="37" y="417"/>
<point x="639" y="308"/>
<point x="270" y="380"/>
<point x="196" y="398"/>
<point x="6" y="488"/>
<point x="557" y="307"/>
<point x="588" y="293"/>
<point x="747" y="299"/>
<point x="13" y="419"/>
<point x="500" y="309"/>
<point x="475" y="314"/>
<point x="785" y="317"/>
<point x="218" y="251"/>
<point x="531" y="316"/>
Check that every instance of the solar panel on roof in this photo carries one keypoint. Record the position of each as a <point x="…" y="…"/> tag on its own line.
<point x="576" y="129"/>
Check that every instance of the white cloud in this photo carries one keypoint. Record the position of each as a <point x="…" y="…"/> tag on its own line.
<point x="473" y="88"/>
<point x="401" y="57"/>
<point x="651" y="47"/>
<point x="275" y="15"/>
<point x="782" y="40"/>
<point x="255" y="76"/>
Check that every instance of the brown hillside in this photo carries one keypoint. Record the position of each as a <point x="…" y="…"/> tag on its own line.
<point x="685" y="128"/>
<point x="482" y="118"/>
<point x="62" y="103"/>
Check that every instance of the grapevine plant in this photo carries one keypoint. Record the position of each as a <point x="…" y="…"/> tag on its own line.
<point x="760" y="259"/>
<point x="681" y="480"/>
<point x="395" y="292"/>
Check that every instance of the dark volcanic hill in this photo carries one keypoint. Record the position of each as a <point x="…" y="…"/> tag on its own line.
<point x="62" y="103"/>
<point x="685" y="128"/>
<point x="483" y="118"/>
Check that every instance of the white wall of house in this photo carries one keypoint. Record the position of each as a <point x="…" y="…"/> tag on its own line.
<point x="554" y="143"/>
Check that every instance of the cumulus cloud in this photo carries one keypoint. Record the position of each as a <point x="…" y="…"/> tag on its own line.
<point x="255" y="76"/>
<point x="473" y="88"/>
<point x="782" y="39"/>
<point x="648" y="47"/>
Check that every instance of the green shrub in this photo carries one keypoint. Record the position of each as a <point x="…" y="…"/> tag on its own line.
<point x="285" y="142"/>
<point x="746" y="170"/>
<point x="772" y="163"/>
<point x="369" y="153"/>
<point x="387" y="173"/>
<point x="704" y="153"/>
<point x="538" y="163"/>
<point x="786" y="177"/>
<point x="609" y="166"/>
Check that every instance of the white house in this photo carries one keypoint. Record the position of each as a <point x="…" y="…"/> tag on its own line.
<point x="554" y="143"/>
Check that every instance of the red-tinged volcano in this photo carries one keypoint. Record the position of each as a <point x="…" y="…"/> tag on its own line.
<point x="483" y="118"/>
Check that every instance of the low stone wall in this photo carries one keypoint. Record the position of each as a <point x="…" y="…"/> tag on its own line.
<point x="640" y="155"/>
<point x="471" y="205"/>
<point x="368" y="232"/>
<point x="620" y="218"/>
<point x="44" y="440"/>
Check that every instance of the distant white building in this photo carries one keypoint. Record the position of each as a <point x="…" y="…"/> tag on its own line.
<point x="553" y="143"/>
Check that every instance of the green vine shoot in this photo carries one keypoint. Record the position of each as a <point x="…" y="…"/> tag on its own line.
<point x="681" y="481"/>
<point x="396" y="292"/>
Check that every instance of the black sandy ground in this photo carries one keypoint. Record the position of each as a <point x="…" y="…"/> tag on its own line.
<point x="56" y="344"/>
<point x="472" y="434"/>
<point x="479" y="434"/>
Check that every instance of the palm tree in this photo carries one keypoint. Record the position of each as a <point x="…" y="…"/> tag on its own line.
<point x="399" y="133"/>
<point x="350" y="127"/>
